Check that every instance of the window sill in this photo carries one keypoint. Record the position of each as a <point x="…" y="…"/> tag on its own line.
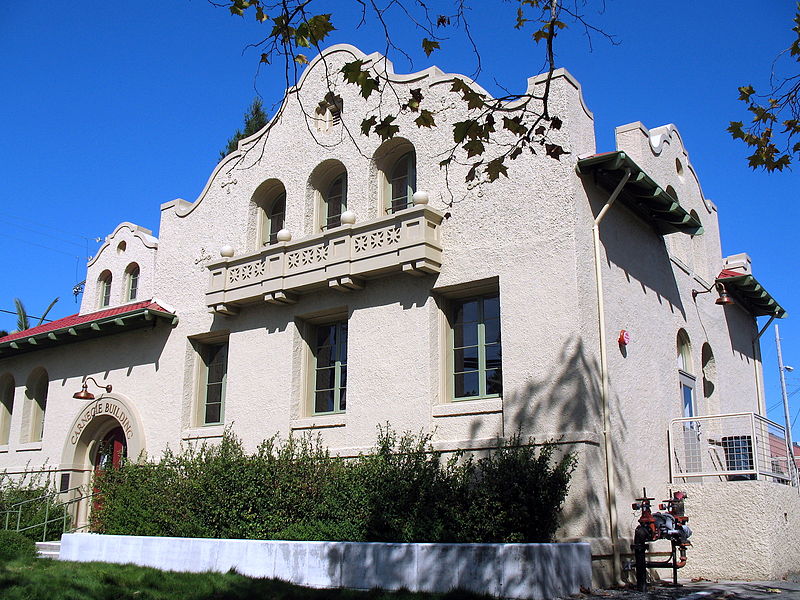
<point x="3" y="448"/>
<point x="203" y="433"/>
<point x="469" y="407"/>
<point x="29" y="447"/>
<point x="319" y="422"/>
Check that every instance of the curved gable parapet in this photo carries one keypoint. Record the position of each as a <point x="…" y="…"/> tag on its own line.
<point x="144" y="235"/>
<point x="662" y="140"/>
<point x="375" y="61"/>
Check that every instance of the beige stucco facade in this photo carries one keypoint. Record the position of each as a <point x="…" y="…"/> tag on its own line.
<point x="394" y="278"/>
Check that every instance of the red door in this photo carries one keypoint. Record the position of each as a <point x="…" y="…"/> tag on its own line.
<point x="110" y="451"/>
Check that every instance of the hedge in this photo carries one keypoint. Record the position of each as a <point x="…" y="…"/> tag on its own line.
<point x="293" y="489"/>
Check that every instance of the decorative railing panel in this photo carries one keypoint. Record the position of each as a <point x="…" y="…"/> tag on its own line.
<point x="342" y="258"/>
<point x="730" y="447"/>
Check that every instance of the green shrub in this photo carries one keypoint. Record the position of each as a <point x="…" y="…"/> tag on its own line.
<point x="293" y="489"/>
<point x="16" y="546"/>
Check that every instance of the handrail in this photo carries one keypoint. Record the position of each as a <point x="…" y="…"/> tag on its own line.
<point x="61" y="506"/>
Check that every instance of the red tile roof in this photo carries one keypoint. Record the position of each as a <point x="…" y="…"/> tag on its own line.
<point x="78" y="319"/>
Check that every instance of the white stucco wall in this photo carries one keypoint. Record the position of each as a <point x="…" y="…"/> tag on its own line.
<point x="528" y="236"/>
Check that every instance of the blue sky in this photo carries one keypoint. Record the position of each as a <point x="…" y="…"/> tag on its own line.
<point x="110" y="109"/>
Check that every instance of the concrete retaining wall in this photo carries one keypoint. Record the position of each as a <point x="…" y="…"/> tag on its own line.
<point x="508" y="570"/>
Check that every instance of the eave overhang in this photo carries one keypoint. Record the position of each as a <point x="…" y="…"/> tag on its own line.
<point x="42" y="337"/>
<point x="751" y="294"/>
<point x="641" y="194"/>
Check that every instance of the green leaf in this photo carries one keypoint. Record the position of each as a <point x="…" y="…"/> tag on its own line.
<point x="368" y="124"/>
<point x="442" y="21"/>
<point x="264" y="58"/>
<point x="495" y="168"/>
<point x="745" y="92"/>
<point x="354" y="74"/>
<point x="429" y="46"/>
<point x="425" y="119"/>
<point x="319" y="26"/>
<point x="386" y="128"/>
<point x="301" y="59"/>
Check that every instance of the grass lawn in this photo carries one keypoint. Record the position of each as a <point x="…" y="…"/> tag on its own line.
<point x="43" y="579"/>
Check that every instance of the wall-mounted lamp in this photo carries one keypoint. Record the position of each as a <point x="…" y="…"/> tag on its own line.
<point x="85" y="394"/>
<point x="724" y="297"/>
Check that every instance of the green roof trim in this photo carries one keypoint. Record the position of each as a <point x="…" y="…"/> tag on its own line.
<point x="641" y="194"/>
<point x="90" y="329"/>
<point x="752" y="295"/>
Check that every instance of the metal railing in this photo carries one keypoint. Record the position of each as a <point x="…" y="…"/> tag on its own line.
<point x="729" y="447"/>
<point x="14" y="517"/>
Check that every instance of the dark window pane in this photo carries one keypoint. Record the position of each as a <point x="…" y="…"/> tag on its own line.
<point x="324" y="357"/>
<point x="465" y="359"/>
<point x="465" y="335"/>
<point x="491" y="307"/>
<point x="343" y="378"/>
<point x="493" y="356"/>
<point x="325" y="335"/>
<point x="466" y="385"/>
<point x="494" y="381"/>
<point x="343" y="399"/>
<point x="492" y="331"/>
<point x="213" y="413"/>
<point x="325" y="379"/>
<point x="323" y="401"/>
<point x="466" y="312"/>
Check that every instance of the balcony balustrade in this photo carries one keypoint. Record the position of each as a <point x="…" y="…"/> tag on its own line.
<point x="341" y="258"/>
<point x="730" y="447"/>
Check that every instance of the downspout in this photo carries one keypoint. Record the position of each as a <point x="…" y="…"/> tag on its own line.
<point x="762" y="406"/>
<point x="611" y="487"/>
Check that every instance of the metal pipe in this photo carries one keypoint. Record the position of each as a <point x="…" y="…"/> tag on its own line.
<point x="611" y="487"/>
<point x="789" y="443"/>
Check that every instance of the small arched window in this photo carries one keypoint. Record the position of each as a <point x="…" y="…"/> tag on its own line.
<point x="104" y="284"/>
<point x="335" y="201"/>
<point x="273" y="220"/>
<point x="132" y="283"/>
<point x="686" y="380"/>
<point x="36" y="397"/>
<point x="6" y="407"/>
<point x="402" y="183"/>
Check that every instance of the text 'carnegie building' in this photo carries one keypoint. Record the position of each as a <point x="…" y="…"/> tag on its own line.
<point x="329" y="284"/>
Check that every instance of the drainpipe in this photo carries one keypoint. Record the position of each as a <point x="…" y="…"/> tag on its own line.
<point x="611" y="487"/>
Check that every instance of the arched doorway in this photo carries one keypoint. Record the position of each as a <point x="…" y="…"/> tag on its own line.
<point x="110" y="450"/>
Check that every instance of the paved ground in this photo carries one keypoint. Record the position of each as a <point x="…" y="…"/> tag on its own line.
<point x="707" y="590"/>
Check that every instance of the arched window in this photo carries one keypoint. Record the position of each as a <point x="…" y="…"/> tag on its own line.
<point x="6" y="407"/>
<point x="685" y="377"/>
<point x="273" y="219"/>
<point x="104" y="285"/>
<point x="335" y="201"/>
<point x="36" y="399"/>
<point x="132" y="281"/>
<point x="402" y="183"/>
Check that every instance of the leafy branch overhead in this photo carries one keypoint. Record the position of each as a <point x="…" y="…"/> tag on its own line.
<point x="773" y="133"/>
<point x="498" y="130"/>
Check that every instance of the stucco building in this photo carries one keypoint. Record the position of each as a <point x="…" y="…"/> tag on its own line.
<point x="329" y="282"/>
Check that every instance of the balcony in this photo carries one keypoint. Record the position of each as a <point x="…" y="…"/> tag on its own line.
<point x="732" y="447"/>
<point x="342" y="258"/>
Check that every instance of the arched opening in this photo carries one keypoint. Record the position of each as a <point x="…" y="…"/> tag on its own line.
<point x="329" y="183"/>
<point x="686" y="378"/>
<point x="104" y="287"/>
<point x="6" y="407"/>
<point x="35" y="405"/>
<point x="132" y="281"/>
<point x="396" y="163"/>
<point x="270" y="201"/>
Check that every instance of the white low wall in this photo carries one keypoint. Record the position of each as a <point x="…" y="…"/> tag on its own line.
<point x="507" y="570"/>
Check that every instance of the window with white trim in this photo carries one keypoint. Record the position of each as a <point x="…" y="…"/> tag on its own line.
<point x="475" y="348"/>
<point x="132" y="281"/>
<point x="104" y="284"/>
<point x="213" y="382"/>
<point x="329" y="368"/>
<point x="401" y="183"/>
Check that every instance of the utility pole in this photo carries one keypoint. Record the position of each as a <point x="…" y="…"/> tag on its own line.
<point x="782" y="369"/>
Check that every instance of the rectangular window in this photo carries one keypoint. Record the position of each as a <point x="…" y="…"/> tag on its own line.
<point x="329" y="353"/>
<point x="213" y="381"/>
<point x="475" y="348"/>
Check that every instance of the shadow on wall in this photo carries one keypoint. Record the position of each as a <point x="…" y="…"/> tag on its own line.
<point x="741" y="331"/>
<point x="566" y="408"/>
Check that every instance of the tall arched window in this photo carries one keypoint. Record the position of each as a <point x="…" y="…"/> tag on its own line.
<point x="132" y="281"/>
<point x="36" y="399"/>
<point x="273" y="219"/>
<point x="402" y="183"/>
<point x="104" y="285"/>
<point x="6" y="407"/>
<point x="686" y="378"/>
<point x="335" y="201"/>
